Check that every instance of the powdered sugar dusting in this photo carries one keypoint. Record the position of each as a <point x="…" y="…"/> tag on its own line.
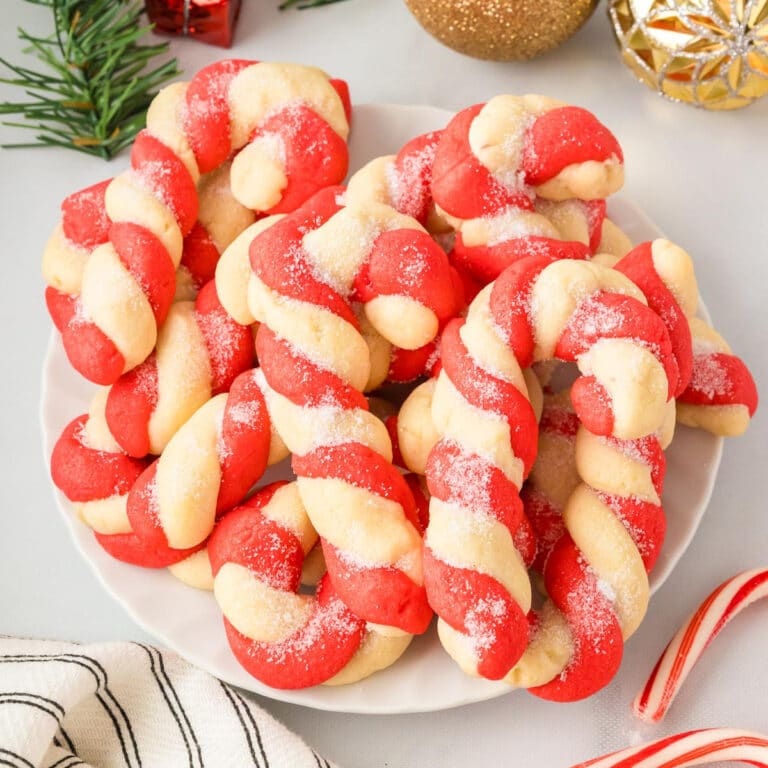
<point x="483" y="621"/>
<point x="710" y="377"/>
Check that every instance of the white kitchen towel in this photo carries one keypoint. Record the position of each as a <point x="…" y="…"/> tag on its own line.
<point x="130" y="705"/>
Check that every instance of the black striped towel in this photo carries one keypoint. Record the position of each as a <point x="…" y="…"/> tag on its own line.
<point x="123" y="704"/>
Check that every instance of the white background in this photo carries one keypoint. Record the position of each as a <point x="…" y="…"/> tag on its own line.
<point x="701" y="176"/>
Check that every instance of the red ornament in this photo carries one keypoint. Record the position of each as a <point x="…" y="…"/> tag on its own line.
<point x="210" y="21"/>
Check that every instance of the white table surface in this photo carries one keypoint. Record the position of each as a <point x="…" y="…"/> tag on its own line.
<point x="701" y="176"/>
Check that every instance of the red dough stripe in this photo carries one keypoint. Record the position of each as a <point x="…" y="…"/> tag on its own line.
<point x="131" y="401"/>
<point x="473" y="482"/>
<point x="406" y="262"/>
<point x="200" y="255"/>
<point x="146" y="258"/>
<point x="85" y="474"/>
<point x="84" y="216"/>
<point x="461" y="185"/>
<point x="598" y="643"/>
<point x="358" y="465"/>
<point x="487" y="262"/>
<point x="288" y="370"/>
<point x="244" y="441"/>
<point x="229" y="344"/>
<point x="91" y="351"/>
<point x="129" y="548"/>
<point x="312" y="655"/>
<point x="489" y="393"/>
<point x="638" y="266"/>
<point x="315" y="155"/>
<point x="645" y="522"/>
<point x="721" y="379"/>
<point x="474" y="602"/>
<point x="405" y="606"/>
<point x="167" y="177"/>
<point x="510" y="299"/>
<point x="413" y="174"/>
<point x="341" y="87"/>
<point x="565" y="136"/>
<point x="206" y="123"/>
<point x="272" y="553"/>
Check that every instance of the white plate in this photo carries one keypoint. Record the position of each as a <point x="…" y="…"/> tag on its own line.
<point x="425" y="679"/>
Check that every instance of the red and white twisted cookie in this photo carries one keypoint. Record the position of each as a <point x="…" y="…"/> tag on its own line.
<point x="309" y="270"/>
<point x="288" y="124"/>
<point x="538" y="309"/>
<point x="200" y="350"/>
<point x="286" y="639"/>
<point x="711" y="745"/>
<point x="207" y="467"/>
<point x="494" y="160"/>
<point x="693" y="638"/>
<point x="505" y="152"/>
<point x="96" y="475"/>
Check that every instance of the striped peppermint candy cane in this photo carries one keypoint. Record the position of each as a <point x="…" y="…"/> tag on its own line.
<point x="702" y="747"/>
<point x="692" y="639"/>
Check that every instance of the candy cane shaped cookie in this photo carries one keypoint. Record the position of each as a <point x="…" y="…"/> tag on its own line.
<point x="285" y="639"/>
<point x="288" y="125"/>
<point x="96" y="475"/>
<point x="307" y="268"/>
<point x="693" y="638"/>
<point x="712" y="745"/>
<point x="538" y="309"/>
<point x="511" y="149"/>
<point x="200" y="350"/>
<point x="207" y="467"/>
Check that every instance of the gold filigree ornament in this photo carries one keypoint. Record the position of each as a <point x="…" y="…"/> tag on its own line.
<point x="710" y="53"/>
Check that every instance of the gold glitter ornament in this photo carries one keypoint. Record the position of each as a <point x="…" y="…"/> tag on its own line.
<point x="711" y="53"/>
<point x="501" y="30"/>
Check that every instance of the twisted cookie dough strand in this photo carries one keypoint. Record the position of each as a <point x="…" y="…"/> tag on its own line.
<point x="94" y="473"/>
<point x="207" y="467"/>
<point x="200" y="350"/>
<point x="285" y="639"/>
<point x="538" y="309"/>
<point x="308" y="268"/>
<point x="286" y="114"/>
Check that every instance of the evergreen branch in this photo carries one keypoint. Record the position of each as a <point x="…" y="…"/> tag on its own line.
<point x="96" y="77"/>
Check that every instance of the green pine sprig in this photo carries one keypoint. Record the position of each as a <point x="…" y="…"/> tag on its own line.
<point x="96" y="81"/>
